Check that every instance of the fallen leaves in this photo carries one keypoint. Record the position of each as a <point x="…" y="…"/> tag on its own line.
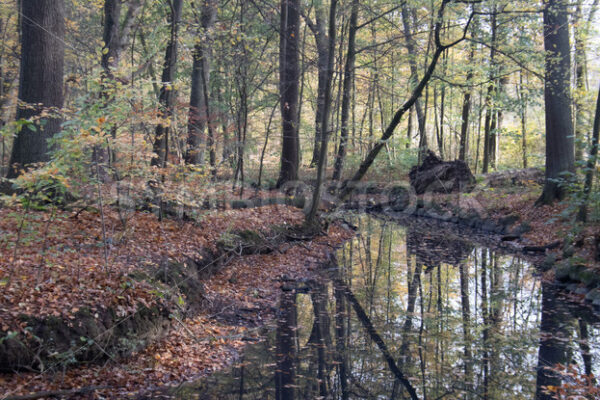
<point x="72" y="280"/>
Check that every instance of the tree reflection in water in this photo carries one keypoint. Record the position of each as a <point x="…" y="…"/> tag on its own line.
<point x="414" y="313"/>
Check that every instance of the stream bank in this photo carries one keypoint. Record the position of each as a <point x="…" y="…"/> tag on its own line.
<point x="207" y="307"/>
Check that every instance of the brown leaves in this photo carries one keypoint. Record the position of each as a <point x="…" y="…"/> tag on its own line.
<point x="73" y="278"/>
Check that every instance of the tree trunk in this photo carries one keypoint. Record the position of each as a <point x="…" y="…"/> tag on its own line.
<point x="523" y="99"/>
<point x="167" y="91"/>
<point x="466" y="109"/>
<point x="414" y="77"/>
<point x="416" y="93"/>
<point x="288" y="86"/>
<point x="489" y="99"/>
<point x="591" y="164"/>
<point x="200" y="111"/>
<point x="41" y="80"/>
<point x="325" y="122"/>
<point x="318" y="31"/>
<point x="110" y="37"/>
<point x="560" y="158"/>
<point x="346" y="92"/>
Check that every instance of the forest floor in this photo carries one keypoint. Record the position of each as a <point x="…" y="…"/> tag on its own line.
<point x="54" y="264"/>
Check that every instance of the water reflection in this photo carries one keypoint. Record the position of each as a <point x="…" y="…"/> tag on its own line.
<point x="412" y="313"/>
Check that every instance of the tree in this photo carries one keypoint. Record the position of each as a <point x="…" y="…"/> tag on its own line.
<point x="167" y="91"/>
<point x="560" y="159"/>
<point x="289" y="73"/>
<point x="116" y="34"/>
<point x="591" y="164"/>
<point x="325" y="122"/>
<point x="347" y="86"/>
<point x="414" y="96"/>
<point x="41" y="81"/>
<point x="414" y="77"/>
<point x="199" y="114"/>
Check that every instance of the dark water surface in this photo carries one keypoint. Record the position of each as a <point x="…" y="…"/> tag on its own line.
<point x="413" y="311"/>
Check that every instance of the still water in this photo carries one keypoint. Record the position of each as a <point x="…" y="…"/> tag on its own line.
<point x="413" y="309"/>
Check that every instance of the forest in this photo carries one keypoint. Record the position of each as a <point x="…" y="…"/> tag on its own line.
<point x="341" y="199"/>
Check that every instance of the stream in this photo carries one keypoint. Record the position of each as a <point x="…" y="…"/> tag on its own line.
<point x="414" y="310"/>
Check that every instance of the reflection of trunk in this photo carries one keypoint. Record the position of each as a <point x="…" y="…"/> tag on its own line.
<point x="585" y="347"/>
<point x="341" y="341"/>
<point x="495" y="318"/>
<point x="375" y="337"/>
<point x="320" y="335"/>
<point x="286" y="348"/>
<point x="484" y="316"/>
<point x="466" y="322"/>
<point x="554" y="337"/>
<point x="410" y="310"/>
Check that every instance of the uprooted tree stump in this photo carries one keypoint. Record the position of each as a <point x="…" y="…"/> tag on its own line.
<point x="436" y="175"/>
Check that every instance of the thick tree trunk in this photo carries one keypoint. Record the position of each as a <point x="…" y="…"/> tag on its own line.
<point x="288" y="87"/>
<point x="41" y="80"/>
<point x="167" y="91"/>
<point x="200" y="111"/>
<point x="560" y="158"/>
<point x="116" y="34"/>
<point x="110" y="37"/>
<point x="346" y="92"/>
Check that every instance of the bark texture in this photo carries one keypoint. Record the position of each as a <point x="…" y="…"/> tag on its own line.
<point x="41" y="80"/>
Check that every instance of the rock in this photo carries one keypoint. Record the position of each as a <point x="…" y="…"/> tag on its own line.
<point x="593" y="295"/>
<point x="436" y="175"/>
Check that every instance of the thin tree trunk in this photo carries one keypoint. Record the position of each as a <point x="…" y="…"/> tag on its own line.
<point x="490" y="97"/>
<point x="346" y="92"/>
<point x="411" y="48"/>
<point x="466" y="109"/>
<point x="325" y="123"/>
<point x="591" y="164"/>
